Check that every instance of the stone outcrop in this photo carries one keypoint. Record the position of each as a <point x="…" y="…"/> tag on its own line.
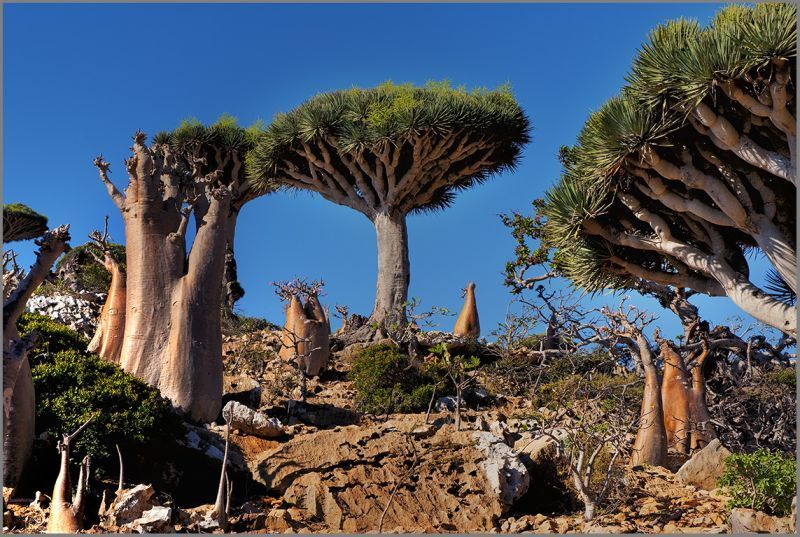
<point x="705" y="467"/>
<point x="347" y="476"/>
<point x="129" y="505"/>
<point x="751" y="521"/>
<point x="77" y="313"/>
<point x="251" y="421"/>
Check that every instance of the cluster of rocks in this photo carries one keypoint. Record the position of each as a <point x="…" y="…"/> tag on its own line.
<point x="79" y="314"/>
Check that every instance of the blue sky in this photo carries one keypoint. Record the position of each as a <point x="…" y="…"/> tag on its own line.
<point x="80" y="79"/>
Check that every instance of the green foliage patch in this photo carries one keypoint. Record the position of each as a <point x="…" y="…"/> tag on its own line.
<point x="387" y="381"/>
<point x="761" y="480"/>
<point x="72" y="384"/>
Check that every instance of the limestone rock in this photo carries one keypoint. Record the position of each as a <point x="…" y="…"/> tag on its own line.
<point x="507" y="475"/>
<point x="251" y="421"/>
<point x="154" y="520"/>
<point x="454" y="481"/>
<point x="705" y="467"/>
<point x="77" y="313"/>
<point x="750" y="521"/>
<point x="129" y="505"/>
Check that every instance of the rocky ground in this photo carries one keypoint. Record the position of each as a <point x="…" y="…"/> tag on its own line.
<point x="322" y="466"/>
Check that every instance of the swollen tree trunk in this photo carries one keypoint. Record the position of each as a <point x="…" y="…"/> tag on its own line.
<point x="18" y="393"/>
<point x="173" y="337"/>
<point x="107" y="340"/>
<point x="675" y="396"/>
<point x="66" y="515"/>
<point x="702" y="428"/>
<point x="393" y="270"/>
<point x="650" y="445"/>
<point x="468" y="324"/>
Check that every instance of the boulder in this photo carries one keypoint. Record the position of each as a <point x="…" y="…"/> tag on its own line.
<point x="129" y="505"/>
<point x="705" y="466"/>
<point x="242" y="389"/>
<point x="507" y="475"/>
<point x="155" y="520"/>
<point x="751" y="521"/>
<point x="345" y="477"/>
<point x="252" y="422"/>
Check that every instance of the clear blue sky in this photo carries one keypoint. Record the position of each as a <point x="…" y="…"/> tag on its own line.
<point x="80" y="79"/>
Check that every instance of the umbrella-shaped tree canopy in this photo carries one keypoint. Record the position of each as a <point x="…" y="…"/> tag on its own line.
<point x="692" y="165"/>
<point x="389" y="151"/>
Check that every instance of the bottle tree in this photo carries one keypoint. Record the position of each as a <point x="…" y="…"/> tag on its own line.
<point x="172" y="337"/>
<point x="390" y="151"/>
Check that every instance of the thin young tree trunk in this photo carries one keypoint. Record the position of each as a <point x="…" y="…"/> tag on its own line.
<point x="702" y="428"/>
<point x="108" y="338"/>
<point x="393" y="270"/>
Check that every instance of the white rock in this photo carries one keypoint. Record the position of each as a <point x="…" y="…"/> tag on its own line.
<point x="129" y="505"/>
<point x="250" y="421"/>
<point x="504" y="470"/>
<point x="155" y="520"/>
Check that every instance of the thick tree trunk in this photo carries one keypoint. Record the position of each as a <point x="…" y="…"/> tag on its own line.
<point x="650" y="445"/>
<point x="173" y="338"/>
<point x="675" y="397"/>
<point x="107" y="340"/>
<point x="393" y="270"/>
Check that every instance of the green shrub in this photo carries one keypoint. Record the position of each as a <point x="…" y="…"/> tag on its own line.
<point x="784" y="377"/>
<point x="72" y="384"/>
<point x="55" y="336"/>
<point x="387" y="381"/>
<point x="760" y="480"/>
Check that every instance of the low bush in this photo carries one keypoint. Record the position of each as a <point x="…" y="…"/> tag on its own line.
<point x="387" y="381"/>
<point x="56" y="337"/>
<point x="72" y="384"/>
<point x="762" y="480"/>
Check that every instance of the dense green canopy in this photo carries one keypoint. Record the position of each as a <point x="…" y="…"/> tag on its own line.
<point x="397" y="146"/>
<point x="21" y="223"/>
<point x="691" y="166"/>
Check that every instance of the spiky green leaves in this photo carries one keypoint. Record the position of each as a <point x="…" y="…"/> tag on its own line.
<point x="681" y="61"/>
<point x="20" y="223"/>
<point x="373" y="127"/>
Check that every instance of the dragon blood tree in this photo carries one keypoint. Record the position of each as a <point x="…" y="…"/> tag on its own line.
<point x="20" y="223"/>
<point x="172" y="336"/>
<point x="691" y="166"/>
<point x="390" y="151"/>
